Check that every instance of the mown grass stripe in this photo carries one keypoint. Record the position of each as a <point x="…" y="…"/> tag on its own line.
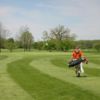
<point x="42" y="86"/>
<point x="87" y="83"/>
<point x="91" y="69"/>
<point x="9" y="90"/>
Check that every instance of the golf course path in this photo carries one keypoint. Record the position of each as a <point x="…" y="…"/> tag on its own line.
<point x="9" y="90"/>
<point x="44" y="65"/>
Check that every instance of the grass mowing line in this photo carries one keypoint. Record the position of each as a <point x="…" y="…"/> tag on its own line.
<point x="88" y="83"/>
<point x="42" y="86"/>
<point x="9" y="90"/>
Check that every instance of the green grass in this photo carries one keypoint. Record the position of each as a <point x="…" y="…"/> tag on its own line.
<point x="43" y="87"/>
<point x="2" y="57"/>
<point x="92" y="72"/>
<point x="45" y="76"/>
<point x="62" y="61"/>
<point x="95" y="60"/>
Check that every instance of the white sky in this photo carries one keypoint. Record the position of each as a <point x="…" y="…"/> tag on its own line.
<point x="81" y="16"/>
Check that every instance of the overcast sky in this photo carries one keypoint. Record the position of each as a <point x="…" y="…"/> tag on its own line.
<point x="81" y="16"/>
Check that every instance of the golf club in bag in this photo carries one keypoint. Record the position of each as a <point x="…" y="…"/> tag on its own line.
<point x="76" y="62"/>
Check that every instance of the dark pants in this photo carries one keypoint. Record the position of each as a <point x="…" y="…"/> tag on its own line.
<point x="77" y="70"/>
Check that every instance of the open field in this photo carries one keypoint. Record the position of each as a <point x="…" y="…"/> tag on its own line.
<point x="45" y="76"/>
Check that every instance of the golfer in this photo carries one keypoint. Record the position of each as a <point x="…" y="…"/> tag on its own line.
<point x="76" y="54"/>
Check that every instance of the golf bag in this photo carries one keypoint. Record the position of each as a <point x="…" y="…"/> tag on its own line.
<point x="76" y="62"/>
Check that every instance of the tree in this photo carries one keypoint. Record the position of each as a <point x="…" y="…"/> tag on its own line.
<point x="61" y="33"/>
<point x="85" y="44"/>
<point x="97" y="46"/>
<point x="3" y="34"/>
<point x="45" y="36"/>
<point x="26" y="39"/>
<point x="10" y="44"/>
<point x="61" y="37"/>
<point x="50" y="45"/>
<point x="38" y="45"/>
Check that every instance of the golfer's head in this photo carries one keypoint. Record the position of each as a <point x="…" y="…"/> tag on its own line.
<point x="77" y="49"/>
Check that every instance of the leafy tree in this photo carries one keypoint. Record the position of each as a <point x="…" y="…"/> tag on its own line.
<point x="61" y="37"/>
<point x="97" y="46"/>
<point x="10" y="44"/>
<point x="38" y="45"/>
<point x="85" y="44"/>
<point x="50" y="45"/>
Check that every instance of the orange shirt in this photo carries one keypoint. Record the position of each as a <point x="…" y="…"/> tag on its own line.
<point x="77" y="55"/>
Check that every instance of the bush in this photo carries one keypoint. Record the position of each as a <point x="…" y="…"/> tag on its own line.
<point x="97" y="46"/>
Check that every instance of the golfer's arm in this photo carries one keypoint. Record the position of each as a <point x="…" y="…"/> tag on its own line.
<point x="84" y="57"/>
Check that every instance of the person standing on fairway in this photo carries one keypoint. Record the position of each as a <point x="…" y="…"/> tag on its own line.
<point x="77" y="54"/>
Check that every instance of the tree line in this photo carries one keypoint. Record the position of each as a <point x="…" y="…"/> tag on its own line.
<point x="58" y="38"/>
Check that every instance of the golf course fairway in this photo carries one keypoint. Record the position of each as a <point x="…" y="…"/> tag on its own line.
<point x="46" y="76"/>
